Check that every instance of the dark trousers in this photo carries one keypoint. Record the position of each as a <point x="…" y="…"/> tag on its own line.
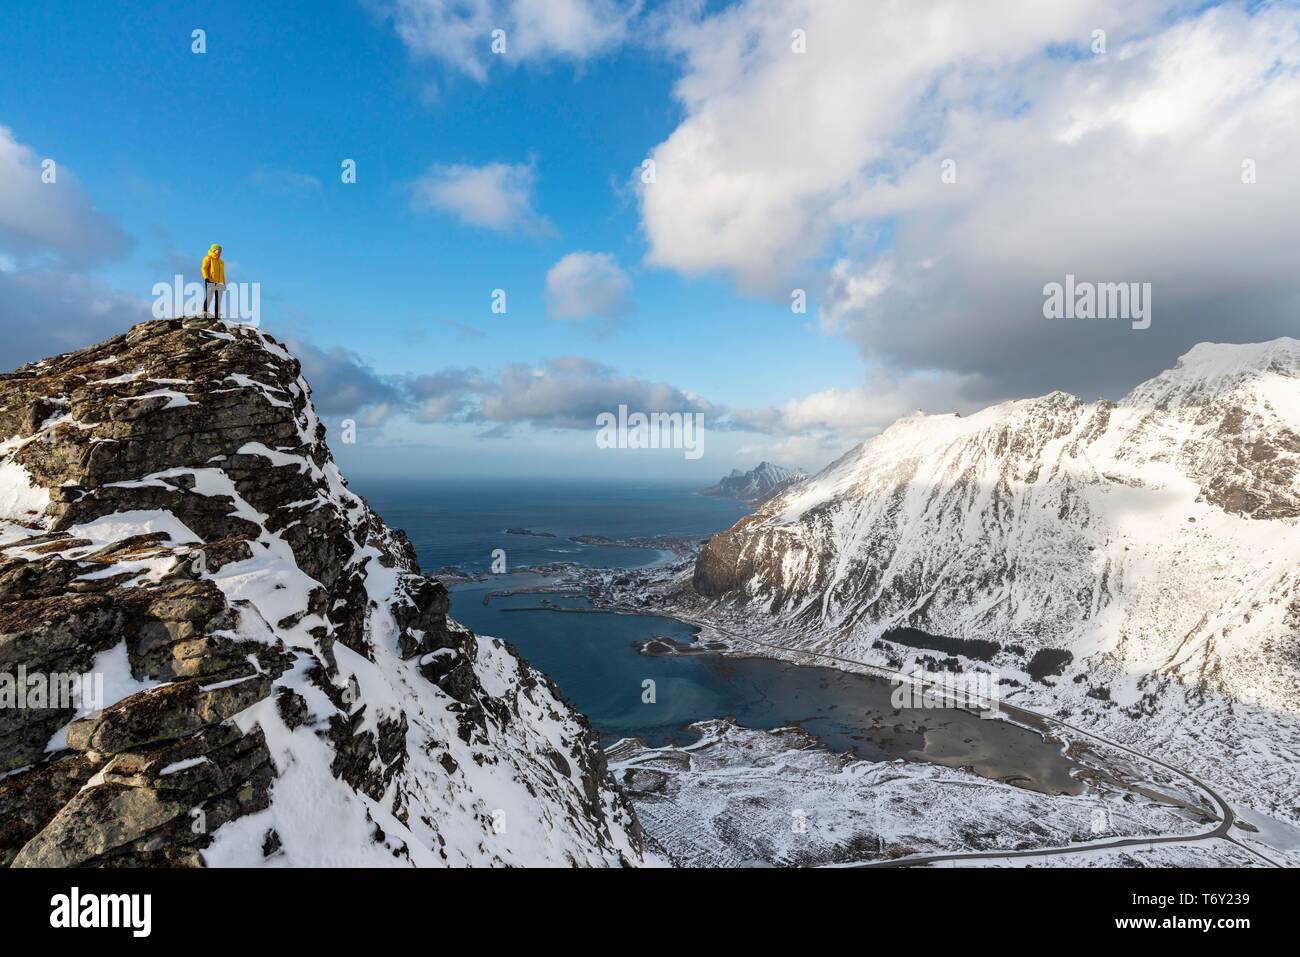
<point x="213" y="290"/>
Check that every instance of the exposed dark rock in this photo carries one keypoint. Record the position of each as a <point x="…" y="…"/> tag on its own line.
<point x="1047" y="662"/>
<point x="292" y="707"/>
<point x="167" y="713"/>
<point x="197" y="446"/>
<point x="271" y="843"/>
<point x="977" y="648"/>
<point x="158" y="806"/>
<point x="29" y="799"/>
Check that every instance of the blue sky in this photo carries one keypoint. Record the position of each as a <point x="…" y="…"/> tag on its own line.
<point x="185" y="150"/>
<point x="813" y="187"/>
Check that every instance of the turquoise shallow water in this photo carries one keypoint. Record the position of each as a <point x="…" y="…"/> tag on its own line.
<point x="595" y="657"/>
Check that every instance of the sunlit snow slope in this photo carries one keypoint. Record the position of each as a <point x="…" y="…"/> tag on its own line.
<point x="1156" y="536"/>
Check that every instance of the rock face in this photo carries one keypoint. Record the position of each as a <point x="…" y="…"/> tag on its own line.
<point x="276" y="679"/>
<point x="761" y="482"/>
<point x="1154" y="538"/>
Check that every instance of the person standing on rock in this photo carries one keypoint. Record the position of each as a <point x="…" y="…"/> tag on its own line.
<point x="214" y="278"/>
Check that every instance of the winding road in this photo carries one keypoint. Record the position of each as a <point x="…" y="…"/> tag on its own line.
<point x="1221" y="830"/>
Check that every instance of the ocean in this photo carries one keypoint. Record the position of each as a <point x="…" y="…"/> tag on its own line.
<point x="595" y="656"/>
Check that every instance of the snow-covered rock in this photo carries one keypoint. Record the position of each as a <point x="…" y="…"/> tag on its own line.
<point x="280" y="683"/>
<point x="1155" y="540"/>
<point x="762" y="481"/>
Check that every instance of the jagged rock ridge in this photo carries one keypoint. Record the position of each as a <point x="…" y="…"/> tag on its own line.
<point x="280" y="682"/>
<point x="762" y="481"/>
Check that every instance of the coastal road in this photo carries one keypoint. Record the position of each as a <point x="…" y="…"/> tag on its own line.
<point x="1220" y="832"/>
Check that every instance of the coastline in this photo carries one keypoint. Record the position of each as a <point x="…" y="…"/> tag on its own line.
<point x="658" y="588"/>
<point x="661" y="589"/>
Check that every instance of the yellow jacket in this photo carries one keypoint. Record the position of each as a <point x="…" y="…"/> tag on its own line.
<point x="214" y="270"/>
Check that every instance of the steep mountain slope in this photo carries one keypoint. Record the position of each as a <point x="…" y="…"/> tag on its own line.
<point x="760" y="482"/>
<point x="279" y="682"/>
<point x="1154" y="538"/>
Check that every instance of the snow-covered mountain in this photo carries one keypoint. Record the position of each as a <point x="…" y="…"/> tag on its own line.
<point x="1155" y="537"/>
<point x="760" y="482"/>
<point x="279" y="682"/>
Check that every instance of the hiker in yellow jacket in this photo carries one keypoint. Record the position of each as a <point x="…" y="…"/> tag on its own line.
<point x="214" y="278"/>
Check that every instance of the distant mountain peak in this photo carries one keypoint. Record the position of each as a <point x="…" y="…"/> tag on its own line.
<point x="1210" y="370"/>
<point x="760" y="482"/>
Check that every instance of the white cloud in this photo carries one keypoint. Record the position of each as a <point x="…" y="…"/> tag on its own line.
<point x="43" y="221"/>
<point x="446" y="395"/>
<point x="563" y="393"/>
<point x="569" y="392"/>
<point x="342" y="382"/>
<point x="1122" y="167"/>
<point x="459" y="32"/>
<point x="775" y="141"/>
<point x="285" y="181"/>
<point x="497" y="196"/>
<point x="851" y="415"/>
<point x="586" y="285"/>
<point x="813" y="430"/>
<point x="50" y="234"/>
<point x="50" y="311"/>
<point x="808" y="452"/>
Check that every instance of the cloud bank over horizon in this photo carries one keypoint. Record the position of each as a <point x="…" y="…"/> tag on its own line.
<point x="1123" y="164"/>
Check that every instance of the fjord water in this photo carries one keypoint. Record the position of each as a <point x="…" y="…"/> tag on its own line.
<point x="595" y="656"/>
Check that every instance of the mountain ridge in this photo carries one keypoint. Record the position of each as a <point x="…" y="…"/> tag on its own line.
<point x="282" y="685"/>
<point x="1044" y="518"/>
<point x="762" y="481"/>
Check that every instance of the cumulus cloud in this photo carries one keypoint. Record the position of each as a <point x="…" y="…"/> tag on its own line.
<point x="816" y="428"/>
<point x="446" y="395"/>
<point x="47" y="312"/>
<point x="569" y="392"/>
<point x="867" y="409"/>
<point x="46" y="222"/>
<point x="498" y="196"/>
<point x="1120" y="167"/>
<point x="343" y="383"/>
<point x="50" y="233"/>
<point x="585" y="285"/>
<point x="563" y="393"/>
<point x="459" y="32"/>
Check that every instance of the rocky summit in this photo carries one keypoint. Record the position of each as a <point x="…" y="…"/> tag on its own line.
<point x="266" y="675"/>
